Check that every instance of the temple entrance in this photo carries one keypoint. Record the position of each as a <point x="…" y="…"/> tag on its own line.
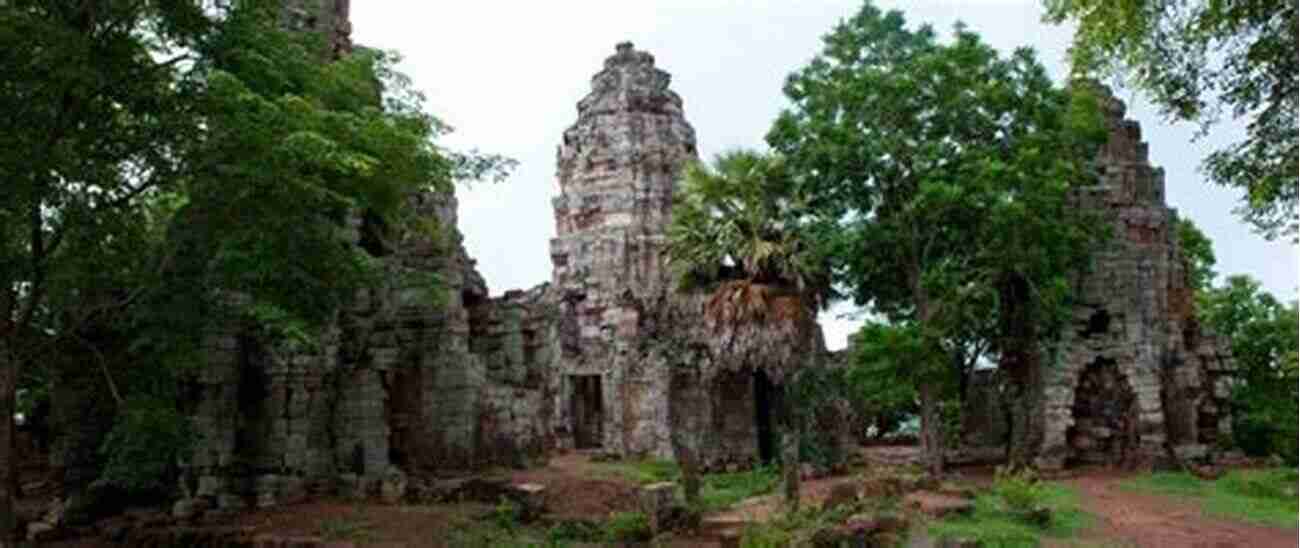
<point x="586" y="408"/>
<point x="764" y="394"/>
<point x="1105" y="416"/>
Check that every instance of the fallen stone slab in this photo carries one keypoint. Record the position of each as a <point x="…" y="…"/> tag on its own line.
<point x="937" y="505"/>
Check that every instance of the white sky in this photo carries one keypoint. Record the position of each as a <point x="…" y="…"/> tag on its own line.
<point x="508" y="75"/>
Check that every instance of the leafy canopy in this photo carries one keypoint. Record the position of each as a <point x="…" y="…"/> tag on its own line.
<point x="1202" y="59"/>
<point x="1262" y="332"/>
<point x="944" y="165"/>
<point x="741" y="219"/>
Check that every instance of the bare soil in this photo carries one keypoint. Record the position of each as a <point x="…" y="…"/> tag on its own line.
<point x="576" y="490"/>
<point x="1130" y="518"/>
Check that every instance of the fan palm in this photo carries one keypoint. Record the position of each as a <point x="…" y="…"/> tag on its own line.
<point x="739" y="230"/>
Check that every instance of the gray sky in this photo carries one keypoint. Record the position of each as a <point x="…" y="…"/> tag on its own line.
<point x="508" y="75"/>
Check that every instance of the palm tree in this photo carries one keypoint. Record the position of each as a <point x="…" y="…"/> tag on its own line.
<point x="740" y="237"/>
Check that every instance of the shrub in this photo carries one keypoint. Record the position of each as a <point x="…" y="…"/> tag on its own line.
<point x="507" y="514"/>
<point x="627" y="526"/>
<point x="141" y="452"/>
<point x="1020" y="490"/>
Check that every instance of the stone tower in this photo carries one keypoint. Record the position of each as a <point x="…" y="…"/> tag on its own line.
<point x="617" y="167"/>
<point x="1138" y="377"/>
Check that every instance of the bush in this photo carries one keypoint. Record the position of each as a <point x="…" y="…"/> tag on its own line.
<point x="627" y="526"/>
<point x="1020" y="490"/>
<point x="149" y="438"/>
<point x="507" y="514"/>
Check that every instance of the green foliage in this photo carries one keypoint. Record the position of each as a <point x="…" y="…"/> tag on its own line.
<point x="627" y="527"/>
<point x="721" y="491"/>
<point x="1201" y="60"/>
<point x="945" y="170"/>
<point x="574" y="531"/>
<point x="742" y="219"/>
<point x="643" y="471"/>
<point x="998" y="520"/>
<point x="1265" y="496"/>
<point x="1199" y="251"/>
<point x="799" y="527"/>
<point x="717" y="491"/>
<point x="508" y="514"/>
<point x="1020" y="490"/>
<point x="1262" y="332"/>
<point x="148" y="440"/>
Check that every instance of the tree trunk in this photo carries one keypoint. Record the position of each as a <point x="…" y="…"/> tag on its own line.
<point x="931" y="429"/>
<point x="689" y="464"/>
<point x="789" y="448"/>
<point x="931" y="422"/>
<point x="1022" y="363"/>
<point x="790" y="467"/>
<point x="8" y="442"/>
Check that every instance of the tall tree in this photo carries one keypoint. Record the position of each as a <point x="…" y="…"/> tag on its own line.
<point x="1262" y="334"/>
<point x="1198" y="60"/>
<point x="98" y="96"/>
<point x="173" y="146"/>
<point x="740" y="231"/>
<point x="947" y="168"/>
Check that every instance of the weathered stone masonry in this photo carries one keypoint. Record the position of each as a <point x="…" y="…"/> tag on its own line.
<point x="1136" y="379"/>
<point x="616" y="167"/>
<point x="1139" y="376"/>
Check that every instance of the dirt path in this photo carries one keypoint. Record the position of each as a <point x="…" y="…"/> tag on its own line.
<point x="577" y="490"/>
<point x="1156" y="521"/>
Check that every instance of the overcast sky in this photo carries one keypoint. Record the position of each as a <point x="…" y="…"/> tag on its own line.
<point x="508" y="75"/>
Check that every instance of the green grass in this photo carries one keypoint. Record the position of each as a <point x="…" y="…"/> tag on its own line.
<point x="643" y="472"/>
<point x="994" y="523"/>
<point x="721" y="491"/>
<point x="717" y="491"/>
<point x="1267" y="497"/>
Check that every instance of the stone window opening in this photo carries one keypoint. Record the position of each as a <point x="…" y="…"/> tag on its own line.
<point x="1098" y="324"/>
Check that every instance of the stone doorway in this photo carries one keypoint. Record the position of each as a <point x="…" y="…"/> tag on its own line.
<point x="1105" y="416"/>
<point x="587" y="410"/>
<point x="764" y="396"/>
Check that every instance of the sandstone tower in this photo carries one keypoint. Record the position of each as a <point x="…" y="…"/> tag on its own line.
<point x="1137" y="377"/>
<point x="617" y="167"/>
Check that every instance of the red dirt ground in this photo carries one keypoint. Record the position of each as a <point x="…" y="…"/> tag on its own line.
<point x="1149" y="520"/>
<point x="577" y="490"/>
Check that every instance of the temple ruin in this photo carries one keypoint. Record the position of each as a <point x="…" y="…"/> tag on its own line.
<point x="1136" y="378"/>
<point x="415" y="381"/>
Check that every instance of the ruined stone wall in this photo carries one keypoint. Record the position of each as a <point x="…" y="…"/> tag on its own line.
<point x="617" y="167"/>
<point x="1137" y="376"/>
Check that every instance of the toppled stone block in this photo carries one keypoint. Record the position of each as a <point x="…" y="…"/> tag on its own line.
<point x="190" y="508"/>
<point x="878" y="529"/>
<point x="531" y="498"/>
<point x="392" y="489"/>
<point x="842" y="494"/>
<point x="656" y="502"/>
<point x="936" y="504"/>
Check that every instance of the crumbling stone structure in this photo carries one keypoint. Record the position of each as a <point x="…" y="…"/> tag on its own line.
<point x="1137" y="379"/>
<point x="413" y="378"/>
<point x="616" y="166"/>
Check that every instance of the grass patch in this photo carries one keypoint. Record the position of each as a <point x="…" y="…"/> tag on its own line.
<point x="994" y="521"/>
<point x="721" y="491"/>
<point x="642" y="472"/>
<point x="1267" y="497"/>
<point x="717" y="491"/>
